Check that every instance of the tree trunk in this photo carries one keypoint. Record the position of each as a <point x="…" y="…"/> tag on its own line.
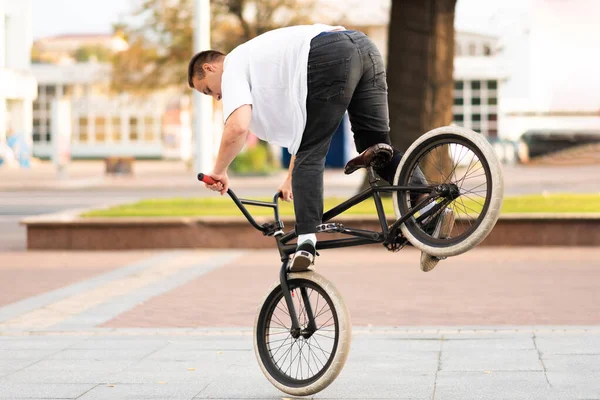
<point x="420" y="69"/>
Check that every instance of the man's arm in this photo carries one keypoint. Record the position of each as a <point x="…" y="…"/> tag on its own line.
<point x="233" y="140"/>
<point x="286" y="186"/>
<point x="291" y="168"/>
<point x="234" y="137"/>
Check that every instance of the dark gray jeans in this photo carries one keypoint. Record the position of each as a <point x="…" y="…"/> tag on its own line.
<point x="345" y="72"/>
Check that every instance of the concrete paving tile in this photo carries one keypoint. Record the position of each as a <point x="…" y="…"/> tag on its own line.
<point x="498" y="342"/>
<point x="134" y="391"/>
<point x="495" y="385"/>
<point x="37" y="342"/>
<point x="10" y="390"/>
<point x="149" y="371"/>
<point x="10" y="366"/>
<point x="117" y="343"/>
<point x="574" y="362"/>
<point x="67" y="371"/>
<point x="498" y="360"/>
<point x="171" y="353"/>
<point x="568" y="343"/>
<point x="239" y="382"/>
<point x="102" y="355"/>
<point x="23" y="354"/>
<point x="394" y="345"/>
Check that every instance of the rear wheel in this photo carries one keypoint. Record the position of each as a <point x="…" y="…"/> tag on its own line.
<point x="461" y="164"/>
<point x="308" y="363"/>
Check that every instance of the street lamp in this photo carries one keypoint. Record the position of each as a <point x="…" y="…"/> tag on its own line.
<point x="203" y="111"/>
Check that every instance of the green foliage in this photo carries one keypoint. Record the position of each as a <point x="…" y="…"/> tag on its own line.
<point x="254" y="161"/>
<point x="162" y="44"/>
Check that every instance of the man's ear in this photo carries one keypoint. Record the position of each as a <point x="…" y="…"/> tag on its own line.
<point x="208" y="67"/>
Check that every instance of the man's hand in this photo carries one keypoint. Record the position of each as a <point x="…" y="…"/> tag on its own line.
<point x="222" y="182"/>
<point x="286" y="189"/>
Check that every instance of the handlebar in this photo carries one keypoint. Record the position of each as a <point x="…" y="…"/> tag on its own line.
<point x="206" y="179"/>
<point x="267" y="229"/>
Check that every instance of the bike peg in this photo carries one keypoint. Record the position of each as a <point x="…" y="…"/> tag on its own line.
<point x="206" y="179"/>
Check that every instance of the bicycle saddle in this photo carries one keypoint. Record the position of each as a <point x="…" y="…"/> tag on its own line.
<point x="375" y="156"/>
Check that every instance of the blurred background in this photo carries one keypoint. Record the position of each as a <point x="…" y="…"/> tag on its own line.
<point x="86" y="80"/>
<point x="95" y="107"/>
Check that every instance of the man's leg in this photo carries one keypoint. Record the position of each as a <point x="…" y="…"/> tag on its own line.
<point x="369" y="116"/>
<point x="334" y="69"/>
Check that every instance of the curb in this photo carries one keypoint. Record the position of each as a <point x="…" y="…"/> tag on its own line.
<point x="69" y="231"/>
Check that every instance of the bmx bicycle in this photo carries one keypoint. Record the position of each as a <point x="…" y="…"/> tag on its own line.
<point x="302" y="330"/>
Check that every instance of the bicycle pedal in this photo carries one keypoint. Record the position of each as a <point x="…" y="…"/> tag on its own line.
<point x="330" y="228"/>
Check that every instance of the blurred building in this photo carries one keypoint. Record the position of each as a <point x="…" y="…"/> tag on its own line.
<point x="552" y="99"/>
<point x="104" y="124"/>
<point x="17" y="83"/>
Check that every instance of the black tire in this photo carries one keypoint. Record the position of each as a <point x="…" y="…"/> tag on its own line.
<point x="479" y="215"/>
<point x="329" y="365"/>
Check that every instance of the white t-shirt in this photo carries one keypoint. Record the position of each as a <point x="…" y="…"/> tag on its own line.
<point x="269" y="72"/>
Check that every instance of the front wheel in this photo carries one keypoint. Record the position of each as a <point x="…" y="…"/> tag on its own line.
<point x="465" y="165"/>
<point x="306" y="364"/>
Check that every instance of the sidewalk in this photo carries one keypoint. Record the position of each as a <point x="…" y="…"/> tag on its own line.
<point x="435" y="363"/>
<point x="513" y="323"/>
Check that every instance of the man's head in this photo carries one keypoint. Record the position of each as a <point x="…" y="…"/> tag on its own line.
<point x="205" y="71"/>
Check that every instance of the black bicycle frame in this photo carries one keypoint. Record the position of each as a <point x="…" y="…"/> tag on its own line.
<point x="359" y="236"/>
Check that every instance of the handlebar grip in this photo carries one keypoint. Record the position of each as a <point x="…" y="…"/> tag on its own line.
<point x="206" y="179"/>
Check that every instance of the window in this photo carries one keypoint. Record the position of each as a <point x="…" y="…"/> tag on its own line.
<point x="493" y="117"/>
<point x="476" y="127"/>
<point x="37" y="137"/>
<point x="50" y="91"/>
<point x="472" y="49"/>
<point x="148" y="129"/>
<point x="133" y="129"/>
<point x="492" y="85"/>
<point x="493" y="133"/>
<point x="458" y="85"/>
<point x="83" y="129"/>
<point x="476" y="101"/>
<point x="476" y="117"/>
<point x="492" y="101"/>
<point x="100" y="126"/>
<point x="116" y="129"/>
<point x="459" y="118"/>
<point x="48" y="129"/>
<point x="487" y="50"/>
<point x="459" y="101"/>
<point x="475" y="85"/>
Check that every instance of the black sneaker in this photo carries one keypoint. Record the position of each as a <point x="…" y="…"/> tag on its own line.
<point x="304" y="257"/>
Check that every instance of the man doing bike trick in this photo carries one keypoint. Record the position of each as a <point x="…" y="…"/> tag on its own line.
<point x="292" y="87"/>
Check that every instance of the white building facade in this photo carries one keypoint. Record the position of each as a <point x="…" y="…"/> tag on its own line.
<point x="17" y="83"/>
<point x="551" y="49"/>
<point x="103" y="124"/>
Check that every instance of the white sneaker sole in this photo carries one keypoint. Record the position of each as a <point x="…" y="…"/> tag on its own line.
<point x="302" y="261"/>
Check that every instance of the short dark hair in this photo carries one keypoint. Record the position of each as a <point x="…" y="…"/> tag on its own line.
<point x="199" y="59"/>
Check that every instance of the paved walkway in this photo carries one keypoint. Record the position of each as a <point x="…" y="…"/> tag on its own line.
<point x="522" y="363"/>
<point x="491" y="324"/>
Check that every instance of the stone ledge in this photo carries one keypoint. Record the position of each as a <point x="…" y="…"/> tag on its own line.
<point x="69" y="231"/>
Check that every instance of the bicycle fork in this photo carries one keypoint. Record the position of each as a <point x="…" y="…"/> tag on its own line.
<point x="296" y="330"/>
